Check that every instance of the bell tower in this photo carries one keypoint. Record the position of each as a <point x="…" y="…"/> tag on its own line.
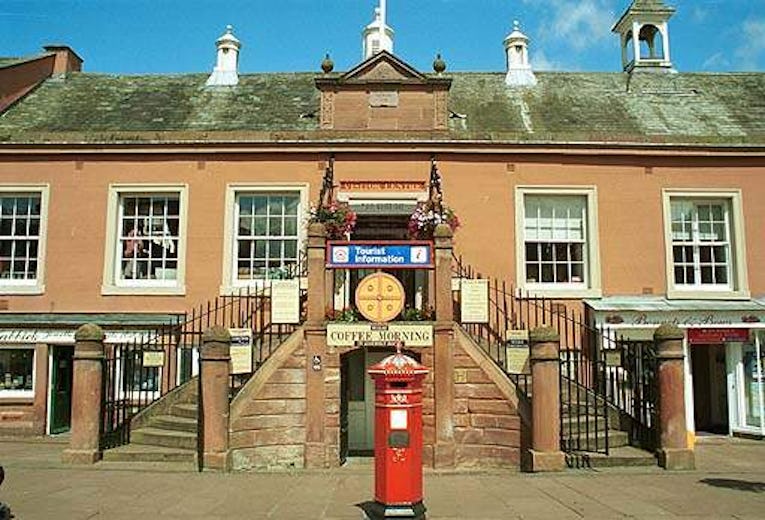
<point x="644" y="33"/>
<point x="519" y="73"/>
<point x="226" y="68"/>
<point x="378" y="36"/>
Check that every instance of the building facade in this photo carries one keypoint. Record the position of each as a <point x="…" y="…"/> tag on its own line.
<point x="632" y="197"/>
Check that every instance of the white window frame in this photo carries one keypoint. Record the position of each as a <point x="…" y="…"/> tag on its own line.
<point x="111" y="284"/>
<point x="591" y="288"/>
<point x="738" y="287"/>
<point x="36" y="286"/>
<point x="22" y="394"/>
<point x="230" y="283"/>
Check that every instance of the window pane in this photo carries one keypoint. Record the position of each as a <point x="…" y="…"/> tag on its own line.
<point x="532" y="252"/>
<point x="260" y="206"/>
<point x="261" y="226"/>
<point x="532" y="273"/>
<point x="291" y="205"/>
<point x="16" y="368"/>
<point x="721" y="275"/>
<point x="547" y="273"/>
<point x="706" y="274"/>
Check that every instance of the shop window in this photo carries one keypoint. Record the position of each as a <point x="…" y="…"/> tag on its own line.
<point x="22" y="231"/>
<point x="705" y="245"/>
<point x="558" y="252"/>
<point x="17" y="372"/>
<point x="265" y="230"/>
<point x="147" y="242"/>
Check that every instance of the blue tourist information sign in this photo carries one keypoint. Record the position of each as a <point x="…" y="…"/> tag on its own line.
<point x="379" y="255"/>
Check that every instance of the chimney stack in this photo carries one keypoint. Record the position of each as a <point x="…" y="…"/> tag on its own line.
<point x="65" y="61"/>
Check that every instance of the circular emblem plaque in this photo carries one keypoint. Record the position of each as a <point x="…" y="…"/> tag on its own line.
<point x="380" y="297"/>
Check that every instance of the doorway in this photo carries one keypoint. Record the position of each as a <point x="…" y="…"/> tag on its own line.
<point x="710" y="394"/>
<point x="61" y="389"/>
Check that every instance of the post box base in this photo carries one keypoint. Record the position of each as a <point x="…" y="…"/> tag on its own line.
<point x="677" y="459"/>
<point x="69" y="456"/>
<point x="379" y="511"/>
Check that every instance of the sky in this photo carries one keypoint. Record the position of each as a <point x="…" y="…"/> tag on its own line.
<point x="177" y="36"/>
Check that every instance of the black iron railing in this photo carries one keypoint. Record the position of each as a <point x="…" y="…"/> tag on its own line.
<point x="606" y="382"/>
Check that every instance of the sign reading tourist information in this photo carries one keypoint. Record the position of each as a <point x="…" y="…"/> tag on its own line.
<point x="372" y="335"/>
<point x="380" y="255"/>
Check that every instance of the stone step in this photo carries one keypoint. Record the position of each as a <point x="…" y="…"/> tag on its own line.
<point x="595" y="440"/>
<point x="166" y="438"/>
<point x="621" y="457"/>
<point x="144" y="453"/>
<point x="174" y="423"/>
<point x="187" y="410"/>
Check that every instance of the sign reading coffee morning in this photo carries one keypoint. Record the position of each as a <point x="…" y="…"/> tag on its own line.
<point x="374" y="335"/>
<point x="380" y="255"/>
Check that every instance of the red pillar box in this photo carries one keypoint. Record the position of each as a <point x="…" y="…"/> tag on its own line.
<point x="398" y="437"/>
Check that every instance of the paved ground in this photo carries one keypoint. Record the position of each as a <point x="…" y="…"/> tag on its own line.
<point x="730" y="483"/>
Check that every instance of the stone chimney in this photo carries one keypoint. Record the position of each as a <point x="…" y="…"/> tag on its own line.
<point x="226" y="68"/>
<point x="65" y="59"/>
<point x="519" y="73"/>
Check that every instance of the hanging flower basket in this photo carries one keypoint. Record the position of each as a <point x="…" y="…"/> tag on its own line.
<point x="338" y="218"/>
<point x="425" y="218"/>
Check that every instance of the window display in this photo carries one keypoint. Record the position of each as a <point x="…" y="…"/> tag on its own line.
<point x="16" y="369"/>
<point x="754" y="385"/>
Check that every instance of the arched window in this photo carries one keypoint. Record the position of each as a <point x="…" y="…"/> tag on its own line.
<point x="651" y="43"/>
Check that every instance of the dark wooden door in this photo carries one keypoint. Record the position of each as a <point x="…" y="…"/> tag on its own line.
<point x="61" y="390"/>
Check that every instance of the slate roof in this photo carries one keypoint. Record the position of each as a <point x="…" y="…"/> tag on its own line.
<point x="676" y="109"/>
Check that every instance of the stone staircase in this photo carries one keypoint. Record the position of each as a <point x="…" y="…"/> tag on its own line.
<point x="166" y="433"/>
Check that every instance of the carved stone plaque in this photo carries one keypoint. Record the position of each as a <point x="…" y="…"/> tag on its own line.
<point x="383" y="98"/>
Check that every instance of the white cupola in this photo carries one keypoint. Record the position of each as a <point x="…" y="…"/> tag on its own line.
<point x="519" y="73"/>
<point x="644" y="33"/>
<point x="377" y="36"/>
<point x="225" y="72"/>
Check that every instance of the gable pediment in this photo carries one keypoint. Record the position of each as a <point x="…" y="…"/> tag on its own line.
<point x="382" y="68"/>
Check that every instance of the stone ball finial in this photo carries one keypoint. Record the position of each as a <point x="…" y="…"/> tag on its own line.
<point x="439" y="65"/>
<point x="327" y="65"/>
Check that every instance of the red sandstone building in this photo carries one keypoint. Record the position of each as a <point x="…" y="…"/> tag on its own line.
<point x="630" y="199"/>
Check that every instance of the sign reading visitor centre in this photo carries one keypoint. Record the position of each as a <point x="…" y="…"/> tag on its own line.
<point x="379" y="255"/>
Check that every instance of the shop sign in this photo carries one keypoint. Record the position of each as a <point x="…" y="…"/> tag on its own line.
<point x="380" y="255"/>
<point x="371" y="335"/>
<point x="241" y="351"/>
<point x="285" y="301"/>
<point x="682" y="318"/>
<point x="474" y="301"/>
<point x="66" y="337"/>
<point x="716" y="336"/>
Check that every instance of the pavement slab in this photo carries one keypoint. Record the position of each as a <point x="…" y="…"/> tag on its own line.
<point x="728" y="484"/>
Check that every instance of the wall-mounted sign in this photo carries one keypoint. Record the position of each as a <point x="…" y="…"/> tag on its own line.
<point x="383" y="98"/>
<point x="517" y="338"/>
<point x="370" y="335"/>
<point x="285" y="301"/>
<point x="376" y="186"/>
<point x="613" y="358"/>
<point x="717" y="336"/>
<point x="153" y="358"/>
<point x="380" y="297"/>
<point x="241" y="351"/>
<point x="380" y="255"/>
<point x="474" y="301"/>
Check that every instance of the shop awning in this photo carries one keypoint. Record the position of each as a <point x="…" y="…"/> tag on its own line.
<point x="653" y="304"/>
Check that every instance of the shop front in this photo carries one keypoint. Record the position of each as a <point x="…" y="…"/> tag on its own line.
<point x="724" y="349"/>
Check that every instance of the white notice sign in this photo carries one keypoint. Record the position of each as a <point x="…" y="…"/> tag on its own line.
<point x="474" y="301"/>
<point x="241" y="351"/>
<point x="153" y="358"/>
<point x="285" y="301"/>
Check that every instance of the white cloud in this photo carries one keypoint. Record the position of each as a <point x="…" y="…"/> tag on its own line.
<point x="581" y="23"/>
<point x="752" y="48"/>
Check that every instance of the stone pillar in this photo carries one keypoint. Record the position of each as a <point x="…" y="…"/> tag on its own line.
<point x="673" y="451"/>
<point x="443" y="355"/>
<point x="215" y="372"/>
<point x="87" y="388"/>
<point x="316" y="340"/>
<point x="546" y="454"/>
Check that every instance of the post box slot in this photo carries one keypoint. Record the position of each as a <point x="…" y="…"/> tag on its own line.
<point x="399" y="384"/>
<point x="398" y="439"/>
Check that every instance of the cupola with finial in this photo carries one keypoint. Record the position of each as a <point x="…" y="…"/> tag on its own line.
<point x="378" y="36"/>
<point x="644" y="33"/>
<point x="519" y="73"/>
<point x="226" y="68"/>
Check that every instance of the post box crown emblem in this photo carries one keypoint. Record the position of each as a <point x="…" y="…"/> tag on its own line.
<point x="398" y="364"/>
